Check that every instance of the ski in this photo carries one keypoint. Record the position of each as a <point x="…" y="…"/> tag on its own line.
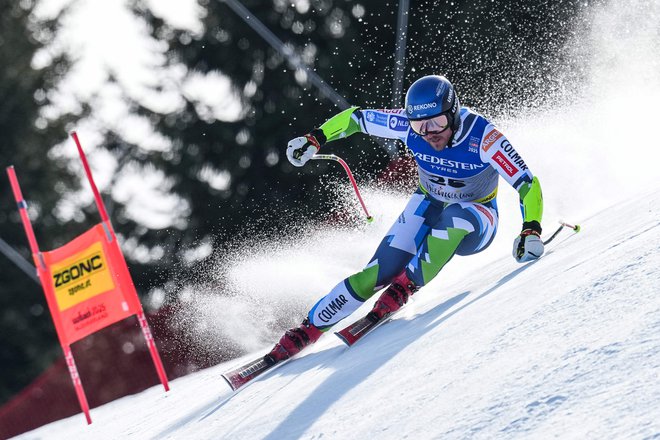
<point x="360" y="328"/>
<point x="240" y="376"/>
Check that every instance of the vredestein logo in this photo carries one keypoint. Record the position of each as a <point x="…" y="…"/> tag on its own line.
<point x="78" y="270"/>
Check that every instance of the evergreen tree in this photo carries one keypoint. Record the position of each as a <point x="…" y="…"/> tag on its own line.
<point x="234" y="174"/>
<point x="28" y="342"/>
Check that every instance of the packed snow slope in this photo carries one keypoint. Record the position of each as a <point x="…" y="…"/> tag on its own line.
<point x="567" y="346"/>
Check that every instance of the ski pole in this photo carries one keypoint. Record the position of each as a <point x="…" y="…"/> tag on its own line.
<point x="350" y="177"/>
<point x="575" y="228"/>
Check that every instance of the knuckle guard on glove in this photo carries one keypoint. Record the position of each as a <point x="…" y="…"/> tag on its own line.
<point x="527" y="246"/>
<point x="301" y="149"/>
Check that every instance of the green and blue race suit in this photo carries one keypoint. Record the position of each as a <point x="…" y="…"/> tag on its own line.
<point x="454" y="211"/>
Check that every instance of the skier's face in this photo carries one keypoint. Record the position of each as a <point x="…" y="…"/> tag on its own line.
<point x="435" y="130"/>
<point x="438" y="140"/>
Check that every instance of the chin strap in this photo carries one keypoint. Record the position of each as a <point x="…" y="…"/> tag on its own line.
<point x="454" y="133"/>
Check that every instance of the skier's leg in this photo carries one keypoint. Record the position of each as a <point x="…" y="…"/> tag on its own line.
<point x="461" y="228"/>
<point x="394" y="252"/>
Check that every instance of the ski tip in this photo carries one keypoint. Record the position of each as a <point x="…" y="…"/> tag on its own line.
<point x="343" y="339"/>
<point x="231" y="385"/>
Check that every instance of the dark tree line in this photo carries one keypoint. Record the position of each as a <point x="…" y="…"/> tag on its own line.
<point x="499" y="54"/>
<point x="27" y="339"/>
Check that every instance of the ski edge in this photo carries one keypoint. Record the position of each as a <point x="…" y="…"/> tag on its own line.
<point x="236" y="384"/>
<point x="349" y="339"/>
<point x="343" y="338"/>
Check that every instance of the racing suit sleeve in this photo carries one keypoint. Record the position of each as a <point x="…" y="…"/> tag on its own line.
<point x="389" y="124"/>
<point x="500" y="154"/>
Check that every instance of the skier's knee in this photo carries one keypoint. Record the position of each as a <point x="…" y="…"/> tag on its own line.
<point x="372" y="279"/>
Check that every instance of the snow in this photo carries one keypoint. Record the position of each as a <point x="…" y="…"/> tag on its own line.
<point x="567" y="346"/>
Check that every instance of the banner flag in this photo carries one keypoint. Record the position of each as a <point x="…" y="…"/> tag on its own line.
<point x="86" y="283"/>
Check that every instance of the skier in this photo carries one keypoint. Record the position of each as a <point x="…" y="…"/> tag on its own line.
<point x="459" y="156"/>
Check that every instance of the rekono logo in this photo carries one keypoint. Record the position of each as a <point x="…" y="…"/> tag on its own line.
<point x="426" y="106"/>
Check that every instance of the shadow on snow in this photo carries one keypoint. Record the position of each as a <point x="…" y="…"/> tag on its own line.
<point x="346" y="378"/>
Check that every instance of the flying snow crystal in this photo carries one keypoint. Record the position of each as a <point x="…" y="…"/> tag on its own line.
<point x="568" y="138"/>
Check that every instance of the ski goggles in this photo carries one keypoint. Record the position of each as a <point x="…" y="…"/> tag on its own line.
<point x="434" y="125"/>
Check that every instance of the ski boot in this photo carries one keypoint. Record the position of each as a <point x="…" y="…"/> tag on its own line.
<point x="395" y="296"/>
<point x="293" y="341"/>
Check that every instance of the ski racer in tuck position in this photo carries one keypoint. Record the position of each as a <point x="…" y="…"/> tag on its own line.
<point x="459" y="156"/>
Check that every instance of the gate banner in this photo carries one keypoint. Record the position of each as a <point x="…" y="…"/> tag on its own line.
<point x="87" y="284"/>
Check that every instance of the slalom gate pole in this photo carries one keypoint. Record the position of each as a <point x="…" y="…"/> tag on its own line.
<point x="350" y="177"/>
<point x="88" y="172"/>
<point x="563" y="225"/>
<point x="142" y="320"/>
<point x="44" y="278"/>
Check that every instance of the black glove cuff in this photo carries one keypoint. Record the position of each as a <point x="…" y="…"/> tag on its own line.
<point x="533" y="225"/>
<point x="320" y="137"/>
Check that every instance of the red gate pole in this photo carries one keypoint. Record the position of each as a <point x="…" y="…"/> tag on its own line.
<point x="155" y="357"/>
<point x="88" y="172"/>
<point x="144" y="325"/>
<point x="75" y="377"/>
<point x="44" y="277"/>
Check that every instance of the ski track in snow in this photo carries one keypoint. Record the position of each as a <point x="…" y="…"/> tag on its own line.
<point x="567" y="346"/>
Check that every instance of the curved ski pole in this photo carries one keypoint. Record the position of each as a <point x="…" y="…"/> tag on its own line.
<point x="350" y="177"/>
<point x="575" y="228"/>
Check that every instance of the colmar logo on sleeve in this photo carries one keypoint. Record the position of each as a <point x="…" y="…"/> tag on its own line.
<point x="515" y="157"/>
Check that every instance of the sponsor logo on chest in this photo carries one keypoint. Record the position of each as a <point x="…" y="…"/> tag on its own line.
<point x="473" y="145"/>
<point x="450" y="194"/>
<point x="434" y="160"/>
